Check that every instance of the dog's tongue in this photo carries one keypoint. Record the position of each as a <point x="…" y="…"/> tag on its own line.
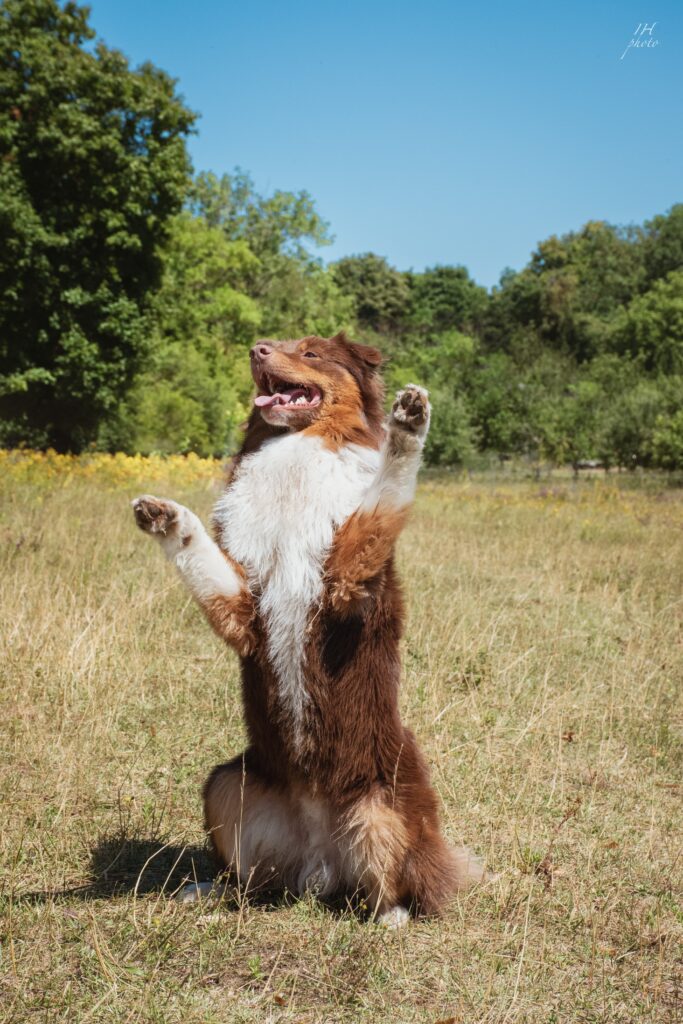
<point x="264" y="400"/>
<point x="279" y="399"/>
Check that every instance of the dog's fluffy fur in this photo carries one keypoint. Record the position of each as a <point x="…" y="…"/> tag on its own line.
<point x="332" y="792"/>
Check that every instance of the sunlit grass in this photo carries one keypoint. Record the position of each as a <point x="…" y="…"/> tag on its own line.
<point x="543" y="664"/>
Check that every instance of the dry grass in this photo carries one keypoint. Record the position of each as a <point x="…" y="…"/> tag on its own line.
<point x="543" y="667"/>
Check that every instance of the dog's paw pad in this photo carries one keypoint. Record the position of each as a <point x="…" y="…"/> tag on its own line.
<point x="155" y="515"/>
<point x="411" y="408"/>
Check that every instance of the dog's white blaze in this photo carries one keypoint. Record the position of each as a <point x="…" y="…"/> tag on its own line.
<point x="278" y="518"/>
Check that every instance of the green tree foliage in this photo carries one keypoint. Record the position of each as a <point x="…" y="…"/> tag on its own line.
<point x="130" y="294"/>
<point x="567" y="293"/>
<point x="446" y="299"/>
<point x="194" y="389"/>
<point x="235" y="265"/>
<point x="667" y="440"/>
<point x="445" y="365"/>
<point x="272" y="225"/>
<point x="92" y="165"/>
<point x="203" y="294"/>
<point x="293" y="292"/>
<point x="650" y="328"/>
<point x="381" y="295"/>
<point x="663" y="243"/>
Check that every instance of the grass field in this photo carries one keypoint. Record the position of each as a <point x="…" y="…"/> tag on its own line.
<point x="543" y="665"/>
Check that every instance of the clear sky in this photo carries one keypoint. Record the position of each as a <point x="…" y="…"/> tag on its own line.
<point x="429" y="132"/>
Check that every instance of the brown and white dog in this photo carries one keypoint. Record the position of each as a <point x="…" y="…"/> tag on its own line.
<point x="332" y="793"/>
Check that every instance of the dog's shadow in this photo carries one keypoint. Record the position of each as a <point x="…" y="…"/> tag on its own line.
<point x="123" y="865"/>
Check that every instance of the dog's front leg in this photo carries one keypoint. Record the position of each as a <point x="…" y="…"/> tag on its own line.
<point x="393" y="489"/>
<point x="364" y="544"/>
<point x="217" y="583"/>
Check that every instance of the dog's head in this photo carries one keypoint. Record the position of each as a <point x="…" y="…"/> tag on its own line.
<point x="326" y="386"/>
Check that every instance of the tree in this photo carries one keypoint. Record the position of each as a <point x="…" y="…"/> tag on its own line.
<point x="202" y="297"/>
<point x="663" y="243"/>
<point x="303" y="298"/>
<point x="578" y="420"/>
<point x="569" y="291"/>
<point x="651" y="326"/>
<point x="667" y="441"/>
<point x="272" y="225"/>
<point x="295" y="296"/>
<point x="194" y="389"/>
<point x="381" y="294"/>
<point x="496" y="400"/>
<point x="452" y="438"/>
<point x="446" y="299"/>
<point x="443" y="366"/>
<point x="625" y="436"/>
<point x="92" y="166"/>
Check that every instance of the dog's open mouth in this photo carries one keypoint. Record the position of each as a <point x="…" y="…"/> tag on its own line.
<point x="285" y="395"/>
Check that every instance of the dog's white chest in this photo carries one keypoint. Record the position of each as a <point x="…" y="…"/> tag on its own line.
<point x="278" y="519"/>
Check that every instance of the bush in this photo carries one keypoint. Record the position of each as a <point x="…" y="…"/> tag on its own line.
<point x="667" y="441"/>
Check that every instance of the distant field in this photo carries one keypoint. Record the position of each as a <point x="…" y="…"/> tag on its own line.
<point x="543" y="674"/>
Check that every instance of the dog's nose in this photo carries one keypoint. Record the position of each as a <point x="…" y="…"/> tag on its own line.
<point x="261" y="350"/>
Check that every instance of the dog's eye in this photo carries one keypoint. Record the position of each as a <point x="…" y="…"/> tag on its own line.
<point x="311" y="355"/>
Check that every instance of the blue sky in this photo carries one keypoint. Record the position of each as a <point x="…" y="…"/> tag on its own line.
<point x="433" y="132"/>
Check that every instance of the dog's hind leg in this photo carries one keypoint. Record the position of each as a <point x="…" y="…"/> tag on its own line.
<point x="374" y="841"/>
<point x="259" y="832"/>
<point x="215" y="581"/>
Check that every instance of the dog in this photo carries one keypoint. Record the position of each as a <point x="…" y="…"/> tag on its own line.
<point x="332" y="793"/>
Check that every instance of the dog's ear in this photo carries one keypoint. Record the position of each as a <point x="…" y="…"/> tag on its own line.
<point x="365" y="354"/>
<point x="372" y="357"/>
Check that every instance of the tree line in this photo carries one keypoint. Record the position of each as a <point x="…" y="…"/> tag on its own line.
<point x="131" y="289"/>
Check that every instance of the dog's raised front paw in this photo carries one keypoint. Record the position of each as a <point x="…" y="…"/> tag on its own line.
<point x="411" y="409"/>
<point x="156" y="515"/>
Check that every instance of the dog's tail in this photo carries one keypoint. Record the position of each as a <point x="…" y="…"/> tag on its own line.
<point x="469" y="868"/>
<point x="436" y="872"/>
